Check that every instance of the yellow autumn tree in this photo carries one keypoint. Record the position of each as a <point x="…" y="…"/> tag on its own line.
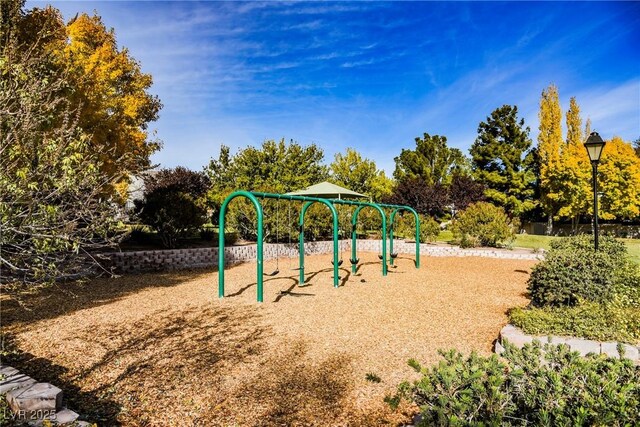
<point x="107" y="91"/>
<point x="112" y="93"/>
<point x="619" y="181"/>
<point x="549" y="151"/>
<point x="574" y="174"/>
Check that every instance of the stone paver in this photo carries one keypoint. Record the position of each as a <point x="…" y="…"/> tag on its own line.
<point x="15" y="381"/>
<point x="36" y="402"/>
<point x="7" y="371"/>
<point x="35" y="398"/>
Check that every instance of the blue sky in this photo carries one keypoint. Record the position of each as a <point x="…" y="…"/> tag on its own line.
<point x="371" y="75"/>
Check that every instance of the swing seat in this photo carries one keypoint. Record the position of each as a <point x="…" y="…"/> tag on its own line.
<point x="275" y="273"/>
<point x="354" y="261"/>
<point x="379" y="256"/>
<point x="339" y="263"/>
<point x="394" y="255"/>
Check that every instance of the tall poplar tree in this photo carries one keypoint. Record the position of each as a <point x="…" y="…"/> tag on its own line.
<point x="549" y="147"/>
<point x="574" y="172"/>
<point x="499" y="160"/>
<point x="619" y="181"/>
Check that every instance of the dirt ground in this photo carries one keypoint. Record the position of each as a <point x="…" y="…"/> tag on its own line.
<point x="163" y="350"/>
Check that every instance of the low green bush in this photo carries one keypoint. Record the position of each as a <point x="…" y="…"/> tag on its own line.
<point x="230" y="238"/>
<point x="538" y="385"/>
<point x="141" y="234"/>
<point x="405" y="227"/>
<point x="208" y="234"/>
<point x="573" y="271"/>
<point x="607" y="322"/>
<point x="483" y="224"/>
<point x="429" y="229"/>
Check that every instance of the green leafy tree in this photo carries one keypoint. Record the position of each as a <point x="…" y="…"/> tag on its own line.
<point x="499" y="158"/>
<point x="277" y="167"/>
<point x="54" y="215"/>
<point x="549" y="149"/>
<point x="432" y="161"/>
<point x="359" y="174"/>
<point x="636" y="146"/>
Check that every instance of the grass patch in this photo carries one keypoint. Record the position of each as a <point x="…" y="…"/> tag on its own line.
<point x="633" y="248"/>
<point x="445" y="236"/>
<point x="533" y="241"/>
<point x="588" y="320"/>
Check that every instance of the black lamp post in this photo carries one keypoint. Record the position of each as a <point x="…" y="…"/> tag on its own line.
<point x="594" y="146"/>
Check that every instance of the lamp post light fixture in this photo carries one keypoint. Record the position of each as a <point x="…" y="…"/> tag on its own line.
<point x="594" y="146"/>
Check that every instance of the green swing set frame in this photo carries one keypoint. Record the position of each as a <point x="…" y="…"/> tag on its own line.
<point x="330" y="203"/>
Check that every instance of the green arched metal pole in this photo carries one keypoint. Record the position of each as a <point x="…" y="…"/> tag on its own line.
<point x="417" y="219"/>
<point x="354" y="237"/>
<point x="252" y="196"/>
<point x="354" y="222"/>
<point x="336" y="267"/>
<point x="259" y="253"/>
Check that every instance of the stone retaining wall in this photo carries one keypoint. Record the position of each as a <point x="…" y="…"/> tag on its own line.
<point x="179" y="259"/>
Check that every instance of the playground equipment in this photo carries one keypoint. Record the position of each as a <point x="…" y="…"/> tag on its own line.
<point x="330" y="203"/>
<point x="392" y="217"/>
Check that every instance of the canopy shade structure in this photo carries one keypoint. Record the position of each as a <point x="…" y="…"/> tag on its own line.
<point x="327" y="190"/>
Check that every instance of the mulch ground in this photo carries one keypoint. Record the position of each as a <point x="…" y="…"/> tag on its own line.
<point x="163" y="350"/>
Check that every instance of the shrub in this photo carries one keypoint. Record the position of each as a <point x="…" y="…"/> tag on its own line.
<point x="405" y="226"/>
<point x="230" y="238"/>
<point x="141" y="234"/>
<point x="483" y="224"/>
<point x="611" y="321"/>
<point x="207" y="234"/>
<point x="573" y="271"/>
<point x="173" y="203"/>
<point x="535" y="385"/>
<point x="429" y="229"/>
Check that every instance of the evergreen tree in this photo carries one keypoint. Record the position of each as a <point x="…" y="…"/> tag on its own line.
<point x="549" y="146"/>
<point x="499" y="160"/>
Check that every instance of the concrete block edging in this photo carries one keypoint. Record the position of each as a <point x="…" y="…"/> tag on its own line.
<point x="517" y="337"/>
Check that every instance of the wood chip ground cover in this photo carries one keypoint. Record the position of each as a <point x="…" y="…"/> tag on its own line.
<point x="162" y="350"/>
